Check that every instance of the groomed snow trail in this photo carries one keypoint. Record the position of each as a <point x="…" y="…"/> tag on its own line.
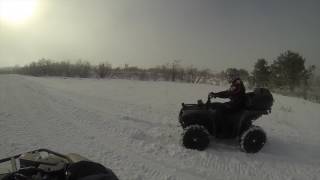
<point x="131" y="127"/>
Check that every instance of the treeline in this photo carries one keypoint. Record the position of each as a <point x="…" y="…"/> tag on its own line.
<point x="287" y="73"/>
<point x="47" y="67"/>
<point x="84" y="69"/>
<point x="7" y="70"/>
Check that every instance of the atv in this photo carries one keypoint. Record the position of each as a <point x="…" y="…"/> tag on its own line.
<point x="199" y="122"/>
<point x="49" y="165"/>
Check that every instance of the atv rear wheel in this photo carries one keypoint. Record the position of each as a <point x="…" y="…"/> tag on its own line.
<point x="253" y="139"/>
<point x="195" y="137"/>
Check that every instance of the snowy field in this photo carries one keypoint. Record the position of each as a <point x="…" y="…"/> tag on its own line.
<point x="132" y="128"/>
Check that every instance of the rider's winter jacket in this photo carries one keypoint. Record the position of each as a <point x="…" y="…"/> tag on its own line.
<point x="236" y="93"/>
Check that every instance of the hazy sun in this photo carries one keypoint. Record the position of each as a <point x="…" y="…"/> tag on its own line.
<point x="17" y="11"/>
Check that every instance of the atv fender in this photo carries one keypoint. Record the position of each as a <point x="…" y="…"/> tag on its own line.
<point x="76" y="157"/>
<point x="197" y="117"/>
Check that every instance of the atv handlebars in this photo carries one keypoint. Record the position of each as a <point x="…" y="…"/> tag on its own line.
<point x="200" y="103"/>
<point x="209" y="98"/>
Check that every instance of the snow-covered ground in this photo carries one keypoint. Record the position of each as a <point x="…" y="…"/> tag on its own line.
<point x="131" y="127"/>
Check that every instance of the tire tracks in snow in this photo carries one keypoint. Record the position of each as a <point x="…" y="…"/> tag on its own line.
<point x="64" y="120"/>
<point x="135" y="145"/>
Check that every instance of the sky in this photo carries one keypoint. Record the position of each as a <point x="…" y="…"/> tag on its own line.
<point x="214" y="34"/>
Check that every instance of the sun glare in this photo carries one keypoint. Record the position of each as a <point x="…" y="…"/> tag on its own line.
<point x="17" y="11"/>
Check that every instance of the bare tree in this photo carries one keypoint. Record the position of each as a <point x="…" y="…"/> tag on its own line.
<point x="103" y="69"/>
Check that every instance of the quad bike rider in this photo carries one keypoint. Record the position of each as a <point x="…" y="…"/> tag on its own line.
<point x="233" y="119"/>
<point x="237" y="95"/>
<point x="44" y="164"/>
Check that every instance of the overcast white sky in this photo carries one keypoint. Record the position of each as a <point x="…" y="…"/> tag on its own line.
<point x="204" y="33"/>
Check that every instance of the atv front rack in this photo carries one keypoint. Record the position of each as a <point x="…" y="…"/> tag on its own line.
<point x="37" y="151"/>
<point x="26" y="159"/>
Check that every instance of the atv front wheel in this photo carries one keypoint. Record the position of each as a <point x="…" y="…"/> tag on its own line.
<point x="253" y="139"/>
<point x="195" y="137"/>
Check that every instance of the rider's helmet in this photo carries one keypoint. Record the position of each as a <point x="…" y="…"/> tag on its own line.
<point x="233" y="76"/>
